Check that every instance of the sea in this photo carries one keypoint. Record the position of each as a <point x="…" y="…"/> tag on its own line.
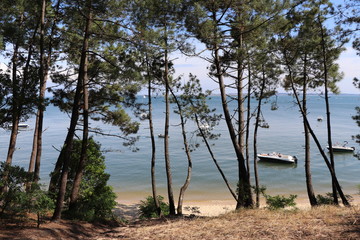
<point x="130" y="170"/>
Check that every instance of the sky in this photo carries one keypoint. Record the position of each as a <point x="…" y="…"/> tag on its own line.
<point x="349" y="64"/>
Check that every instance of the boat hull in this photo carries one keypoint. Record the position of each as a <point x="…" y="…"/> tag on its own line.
<point x="278" y="159"/>
<point x="342" y="149"/>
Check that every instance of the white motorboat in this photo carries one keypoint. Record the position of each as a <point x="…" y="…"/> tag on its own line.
<point x="21" y="126"/>
<point x="342" y="147"/>
<point x="277" y="157"/>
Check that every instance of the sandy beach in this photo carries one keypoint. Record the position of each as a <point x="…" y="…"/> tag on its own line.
<point x="128" y="209"/>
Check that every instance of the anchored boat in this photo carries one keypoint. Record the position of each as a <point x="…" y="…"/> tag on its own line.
<point x="21" y="126"/>
<point x="342" y="147"/>
<point x="277" y="157"/>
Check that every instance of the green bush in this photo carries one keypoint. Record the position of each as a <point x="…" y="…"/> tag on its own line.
<point x="328" y="199"/>
<point x="96" y="199"/>
<point x="39" y="202"/>
<point x="15" y="201"/>
<point x="147" y="208"/>
<point x="278" y="202"/>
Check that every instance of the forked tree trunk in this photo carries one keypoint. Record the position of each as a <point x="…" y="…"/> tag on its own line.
<point x="84" y="144"/>
<point x="65" y="154"/>
<point x="244" y="188"/>
<point x="36" y="152"/>
<point x="166" y="135"/>
<point x="328" y="164"/>
<point x="188" y="156"/>
<point x="153" y="146"/>
<point x="328" y="120"/>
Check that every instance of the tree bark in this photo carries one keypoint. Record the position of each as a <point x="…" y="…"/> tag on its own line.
<point x="188" y="156"/>
<point x="166" y="137"/>
<point x="84" y="144"/>
<point x="15" y="107"/>
<point x="153" y="145"/>
<point x="64" y="156"/>
<point x="244" y="194"/>
<point x="328" y="120"/>
<point x="309" y="186"/>
<point x="257" y="185"/>
<point x="248" y="117"/>
<point x="328" y="164"/>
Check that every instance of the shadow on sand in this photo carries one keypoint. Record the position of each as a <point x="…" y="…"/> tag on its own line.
<point x="129" y="212"/>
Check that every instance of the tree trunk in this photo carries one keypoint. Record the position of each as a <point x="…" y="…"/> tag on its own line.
<point x="213" y="157"/>
<point x="248" y="117"/>
<point x="153" y="146"/>
<point x="309" y="186"/>
<point x="328" y="164"/>
<point x="44" y="74"/>
<point x="15" y="107"/>
<point x="187" y="151"/>
<point x="64" y="156"/>
<point x="244" y="187"/>
<point x="166" y="137"/>
<point x="257" y="185"/>
<point x="84" y="144"/>
<point x="328" y="120"/>
<point x="44" y="69"/>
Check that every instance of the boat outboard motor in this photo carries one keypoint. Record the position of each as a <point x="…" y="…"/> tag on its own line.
<point x="295" y="158"/>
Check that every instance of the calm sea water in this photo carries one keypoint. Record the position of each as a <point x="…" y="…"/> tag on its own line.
<point x="130" y="171"/>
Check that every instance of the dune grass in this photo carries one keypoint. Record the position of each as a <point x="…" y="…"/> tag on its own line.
<point x="326" y="222"/>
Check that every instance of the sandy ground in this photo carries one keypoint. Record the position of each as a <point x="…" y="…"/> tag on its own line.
<point x="129" y="209"/>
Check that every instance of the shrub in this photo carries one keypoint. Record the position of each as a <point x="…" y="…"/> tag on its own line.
<point x="39" y="202"/>
<point x="14" y="200"/>
<point x="12" y="192"/>
<point x="278" y="202"/>
<point x="96" y="199"/>
<point x="147" y="208"/>
<point x="328" y="199"/>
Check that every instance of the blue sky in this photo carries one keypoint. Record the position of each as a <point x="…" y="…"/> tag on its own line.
<point x="348" y="62"/>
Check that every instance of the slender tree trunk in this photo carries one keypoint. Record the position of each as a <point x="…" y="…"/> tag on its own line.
<point x="44" y="69"/>
<point x="257" y="185"/>
<point x="36" y="152"/>
<point x="188" y="156"/>
<point x="328" y="120"/>
<point x="64" y="156"/>
<point x="166" y="138"/>
<point x="248" y="117"/>
<point x="55" y="175"/>
<point x="84" y="144"/>
<point x="18" y="91"/>
<point x="213" y="158"/>
<point x="240" y="106"/>
<point x="244" y="187"/>
<point x="15" y="107"/>
<point x="153" y="145"/>
<point x="328" y="164"/>
<point x="34" y="146"/>
<point x="309" y="186"/>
